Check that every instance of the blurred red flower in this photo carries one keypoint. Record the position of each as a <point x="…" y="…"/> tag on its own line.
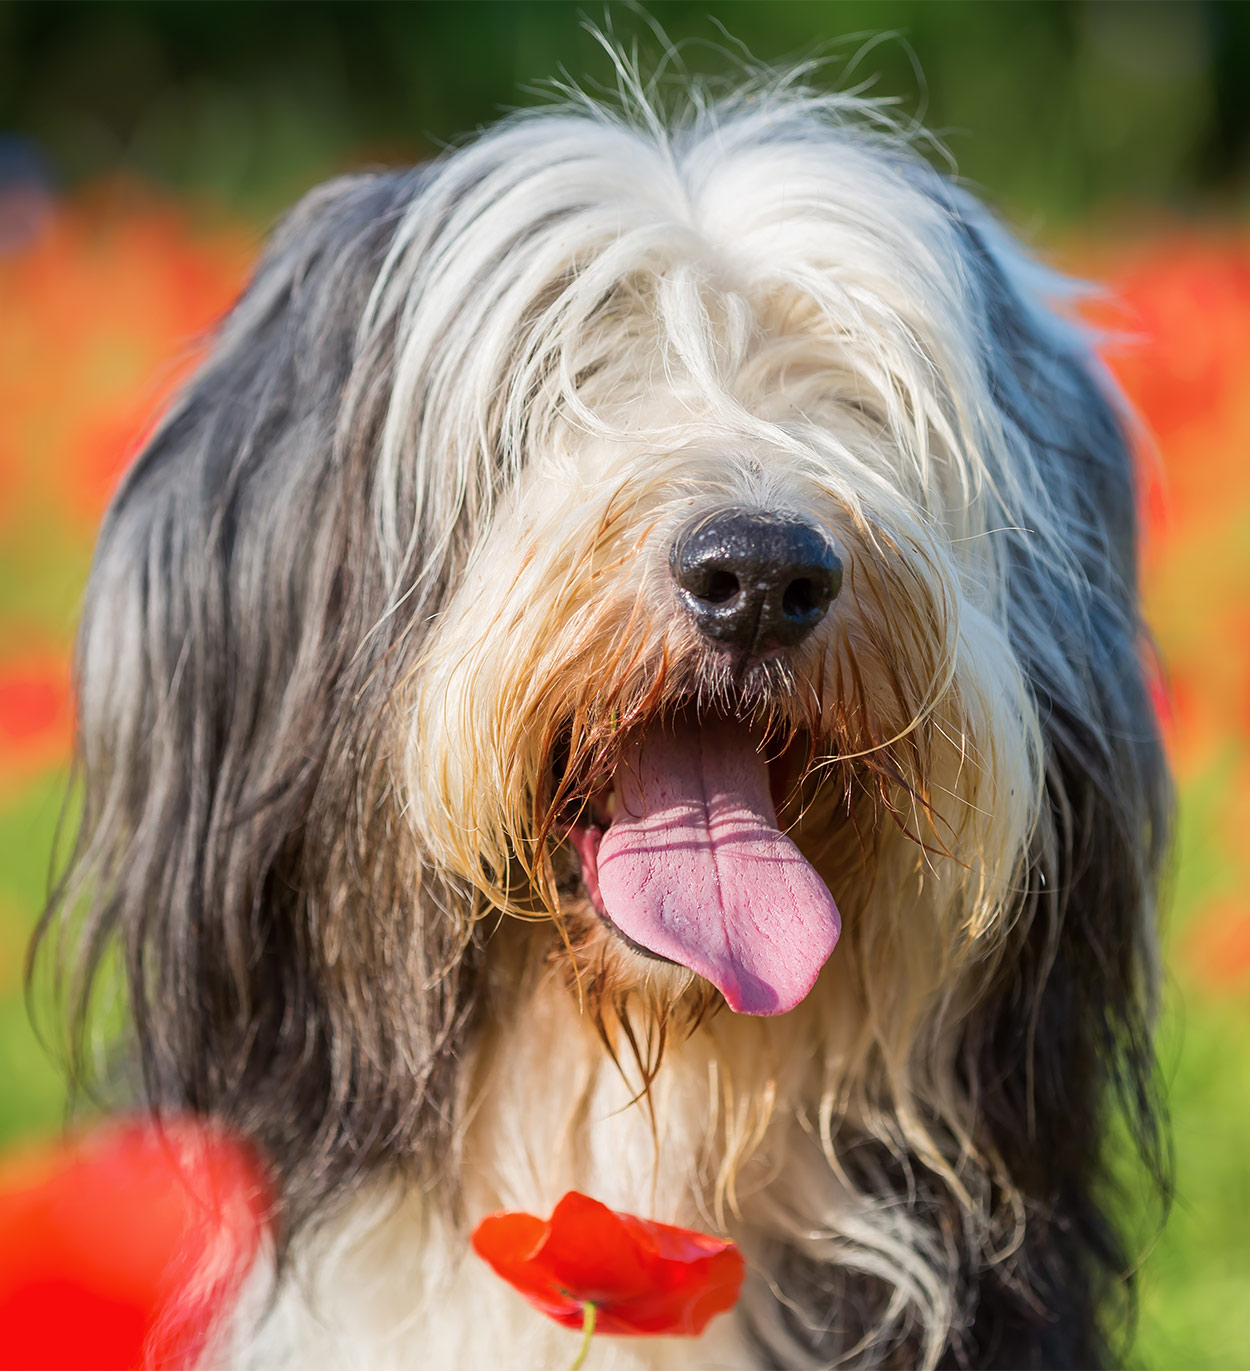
<point x="1215" y="947"/>
<point x="106" y="312"/>
<point x="642" y="1277"/>
<point x="1180" y="305"/>
<point x="119" y="1250"/>
<point x="36" y="715"/>
<point x="1179" y="302"/>
<point x="1186" y="307"/>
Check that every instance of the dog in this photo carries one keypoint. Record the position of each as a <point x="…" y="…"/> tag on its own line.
<point x="623" y="671"/>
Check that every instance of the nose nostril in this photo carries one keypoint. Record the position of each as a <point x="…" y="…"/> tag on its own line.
<point x="802" y="599"/>
<point x="721" y="587"/>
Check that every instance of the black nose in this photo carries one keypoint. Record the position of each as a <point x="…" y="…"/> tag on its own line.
<point x="753" y="579"/>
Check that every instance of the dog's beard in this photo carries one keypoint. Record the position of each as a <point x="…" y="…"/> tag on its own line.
<point x="682" y="855"/>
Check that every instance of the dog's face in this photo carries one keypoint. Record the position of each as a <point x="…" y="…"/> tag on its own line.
<point x="726" y="653"/>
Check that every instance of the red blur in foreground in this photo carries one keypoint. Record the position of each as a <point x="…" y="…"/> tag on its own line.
<point x="642" y="1277"/>
<point x="120" y="1249"/>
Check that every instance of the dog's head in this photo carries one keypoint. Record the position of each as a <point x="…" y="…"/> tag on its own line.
<point x="695" y="544"/>
<point x="735" y="486"/>
<point x="726" y="640"/>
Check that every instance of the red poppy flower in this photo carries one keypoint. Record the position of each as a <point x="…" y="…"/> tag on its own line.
<point x="641" y="1277"/>
<point x="120" y="1250"/>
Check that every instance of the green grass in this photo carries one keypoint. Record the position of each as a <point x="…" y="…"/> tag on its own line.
<point x="32" y="1101"/>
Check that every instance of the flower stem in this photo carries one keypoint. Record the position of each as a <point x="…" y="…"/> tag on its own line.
<point x="588" y="1332"/>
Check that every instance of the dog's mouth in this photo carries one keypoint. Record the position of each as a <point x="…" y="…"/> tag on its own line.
<point x="682" y="855"/>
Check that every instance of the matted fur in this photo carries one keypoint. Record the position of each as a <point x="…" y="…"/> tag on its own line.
<point x="387" y="595"/>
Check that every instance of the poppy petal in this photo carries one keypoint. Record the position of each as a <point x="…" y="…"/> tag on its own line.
<point x="591" y="1251"/>
<point x="510" y="1242"/>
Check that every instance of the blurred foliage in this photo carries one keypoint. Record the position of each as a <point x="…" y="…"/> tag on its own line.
<point x="175" y="131"/>
<point x="1056" y="108"/>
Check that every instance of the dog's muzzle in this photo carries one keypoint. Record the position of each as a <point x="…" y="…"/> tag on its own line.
<point x="755" y="580"/>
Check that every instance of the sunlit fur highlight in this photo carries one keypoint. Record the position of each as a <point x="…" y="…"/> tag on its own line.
<point x="498" y="387"/>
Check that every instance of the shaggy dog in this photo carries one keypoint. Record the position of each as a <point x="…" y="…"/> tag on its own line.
<point x="592" y="576"/>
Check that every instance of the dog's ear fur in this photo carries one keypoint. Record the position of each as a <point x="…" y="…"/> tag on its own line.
<point x="236" y="674"/>
<point x="1062" y="1045"/>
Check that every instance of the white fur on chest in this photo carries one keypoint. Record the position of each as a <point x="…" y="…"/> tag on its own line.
<point x="384" y="1294"/>
<point x="391" y="1286"/>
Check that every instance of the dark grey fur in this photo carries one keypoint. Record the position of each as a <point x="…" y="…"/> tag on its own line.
<point x="239" y="838"/>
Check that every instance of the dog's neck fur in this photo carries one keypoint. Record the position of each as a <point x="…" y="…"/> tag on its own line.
<point x="389" y="1283"/>
<point x="726" y="1139"/>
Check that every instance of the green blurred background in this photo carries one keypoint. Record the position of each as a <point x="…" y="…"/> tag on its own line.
<point x="145" y="148"/>
<point x="1056" y="109"/>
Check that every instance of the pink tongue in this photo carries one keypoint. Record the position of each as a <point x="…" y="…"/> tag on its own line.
<point x="695" y="869"/>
